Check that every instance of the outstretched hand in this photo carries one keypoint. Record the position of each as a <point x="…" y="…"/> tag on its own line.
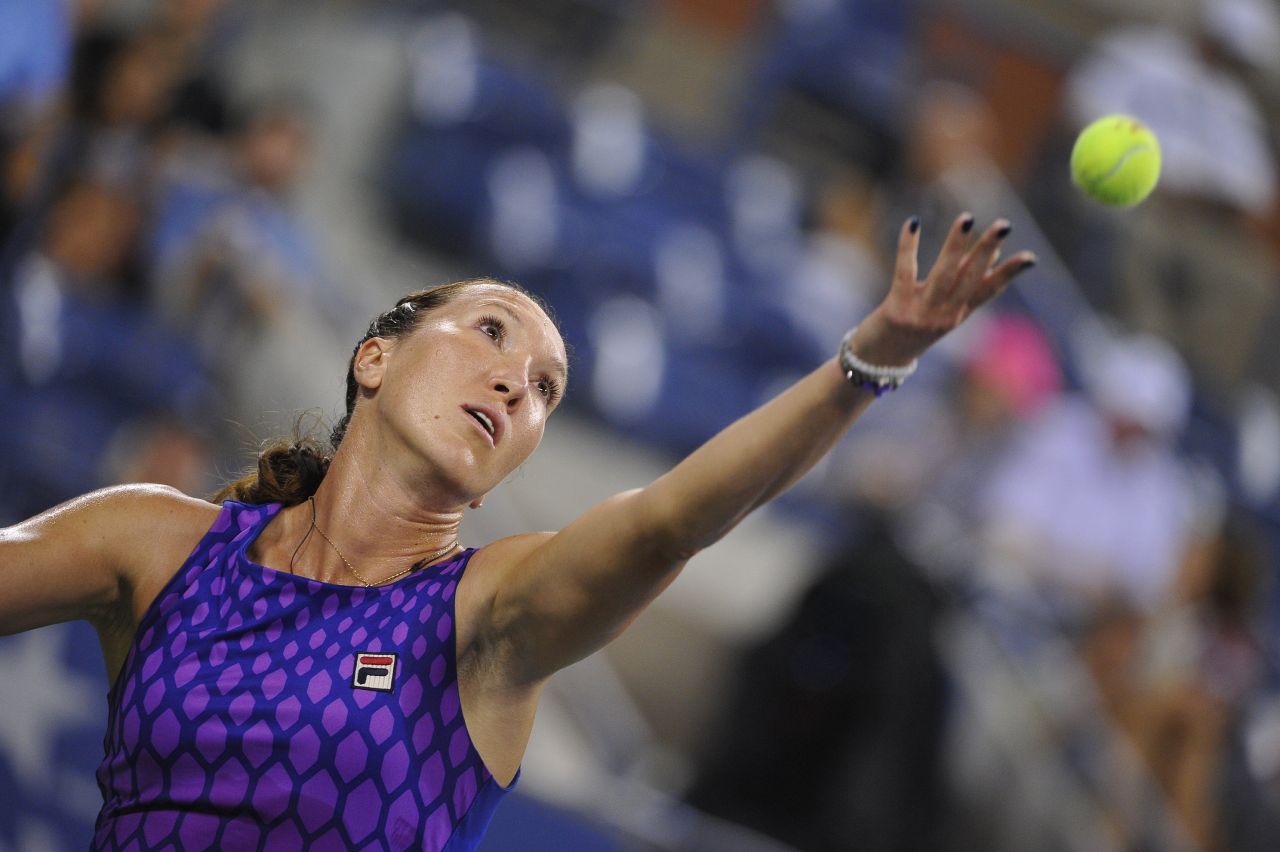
<point x="916" y="313"/>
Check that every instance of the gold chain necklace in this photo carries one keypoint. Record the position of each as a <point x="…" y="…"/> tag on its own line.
<point x="352" y="568"/>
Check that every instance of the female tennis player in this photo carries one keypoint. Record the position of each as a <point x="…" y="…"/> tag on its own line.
<point x="319" y="662"/>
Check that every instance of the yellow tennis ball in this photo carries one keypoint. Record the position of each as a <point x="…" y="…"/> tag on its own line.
<point x="1116" y="160"/>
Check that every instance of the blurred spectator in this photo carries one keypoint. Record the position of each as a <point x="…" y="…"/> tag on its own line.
<point x="850" y="57"/>
<point x="35" y="55"/>
<point x="82" y="256"/>
<point x="850" y="689"/>
<point x="830" y="737"/>
<point x="160" y="450"/>
<point x="122" y="87"/>
<point x="187" y="24"/>
<point x="90" y="238"/>
<point x="35" y="67"/>
<point x="238" y="269"/>
<point x="838" y="271"/>
<point x="83" y="357"/>
<point x="932" y="452"/>
<point x="194" y="33"/>
<point x="952" y="128"/>
<point x="119" y="87"/>
<point x="22" y="161"/>
<point x="1009" y="375"/>
<point x="1175" y="683"/>
<point x="949" y="143"/>
<point x="235" y="226"/>
<point x="1093" y="505"/>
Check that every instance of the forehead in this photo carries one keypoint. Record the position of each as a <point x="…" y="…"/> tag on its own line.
<point x="513" y="305"/>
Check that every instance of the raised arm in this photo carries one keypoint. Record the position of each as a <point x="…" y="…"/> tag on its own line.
<point x="80" y="559"/>
<point x="566" y="594"/>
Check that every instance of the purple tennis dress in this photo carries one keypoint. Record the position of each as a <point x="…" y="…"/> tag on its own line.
<point x="261" y="710"/>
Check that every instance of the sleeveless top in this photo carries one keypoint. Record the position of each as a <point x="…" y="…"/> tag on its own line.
<point x="261" y="710"/>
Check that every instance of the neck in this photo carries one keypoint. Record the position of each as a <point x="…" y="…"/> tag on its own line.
<point x="379" y="526"/>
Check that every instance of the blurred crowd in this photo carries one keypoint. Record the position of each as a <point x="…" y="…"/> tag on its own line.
<point x="155" y="278"/>
<point x="1049" y="616"/>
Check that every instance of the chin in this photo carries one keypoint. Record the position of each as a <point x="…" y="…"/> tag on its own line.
<point x="466" y="476"/>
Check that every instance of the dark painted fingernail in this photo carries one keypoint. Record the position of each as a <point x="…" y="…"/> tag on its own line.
<point x="1004" y="231"/>
<point x="913" y="224"/>
<point x="1027" y="264"/>
<point x="967" y="225"/>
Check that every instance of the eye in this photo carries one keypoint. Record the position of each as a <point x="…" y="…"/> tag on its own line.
<point x="550" y="389"/>
<point x="493" y="327"/>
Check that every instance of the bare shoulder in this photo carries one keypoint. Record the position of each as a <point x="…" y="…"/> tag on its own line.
<point x="143" y="529"/>
<point x="145" y="503"/>
<point x="93" y="556"/>
<point x="120" y="515"/>
<point x="136" y="514"/>
<point x="157" y="527"/>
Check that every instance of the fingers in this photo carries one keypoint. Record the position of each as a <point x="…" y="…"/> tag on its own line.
<point x="1000" y="277"/>
<point x="906" y="270"/>
<point x="968" y="270"/>
<point x="980" y="260"/>
<point x="954" y="250"/>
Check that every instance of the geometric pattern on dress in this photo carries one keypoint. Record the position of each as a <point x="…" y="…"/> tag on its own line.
<point x="235" y="722"/>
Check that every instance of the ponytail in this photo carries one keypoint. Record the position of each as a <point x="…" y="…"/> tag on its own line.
<point x="287" y="472"/>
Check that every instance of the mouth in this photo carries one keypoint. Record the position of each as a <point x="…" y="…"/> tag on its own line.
<point x="485" y="422"/>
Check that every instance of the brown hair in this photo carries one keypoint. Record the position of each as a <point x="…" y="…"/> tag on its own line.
<point x="291" y="470"/>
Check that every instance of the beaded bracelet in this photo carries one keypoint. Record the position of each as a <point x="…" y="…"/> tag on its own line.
<point x="879" y="380"/>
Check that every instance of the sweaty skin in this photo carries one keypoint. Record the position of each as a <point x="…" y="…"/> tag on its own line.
<point x="414" y="459"/>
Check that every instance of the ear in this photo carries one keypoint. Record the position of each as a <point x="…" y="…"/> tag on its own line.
<point x="371" y="362"/>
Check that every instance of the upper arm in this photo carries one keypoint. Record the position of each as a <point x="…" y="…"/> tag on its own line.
<point x="79" y="559"/>
<point x="554" y="598"/>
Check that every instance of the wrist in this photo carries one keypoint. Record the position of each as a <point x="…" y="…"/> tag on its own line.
<point x="879" y="378"/>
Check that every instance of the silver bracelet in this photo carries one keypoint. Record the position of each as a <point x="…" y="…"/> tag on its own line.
<point x="880" y="380"/>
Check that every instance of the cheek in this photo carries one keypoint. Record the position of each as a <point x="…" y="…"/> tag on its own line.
<point x="530" y="429"/>
<point x="414" y="400"/>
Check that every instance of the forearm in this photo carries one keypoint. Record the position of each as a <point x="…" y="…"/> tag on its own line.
<point x="764" y="453"/>
<point x="754" y="459"/>
<point x="575" y="590"/>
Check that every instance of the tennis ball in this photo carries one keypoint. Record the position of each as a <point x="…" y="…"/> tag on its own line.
<point x="1116" y="160"/>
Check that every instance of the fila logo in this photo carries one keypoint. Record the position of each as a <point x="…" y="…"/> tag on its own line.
<point x="374" y="670"/>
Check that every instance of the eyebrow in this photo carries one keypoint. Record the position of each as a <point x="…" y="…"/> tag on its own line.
<point x="555" y="362"/>
<point x="495" y="303"/>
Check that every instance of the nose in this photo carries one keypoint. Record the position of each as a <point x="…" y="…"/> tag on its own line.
<point x="512" y="383"/>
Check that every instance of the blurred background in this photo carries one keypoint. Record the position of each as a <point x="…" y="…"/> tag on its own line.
<point x="1029" y="603"/>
